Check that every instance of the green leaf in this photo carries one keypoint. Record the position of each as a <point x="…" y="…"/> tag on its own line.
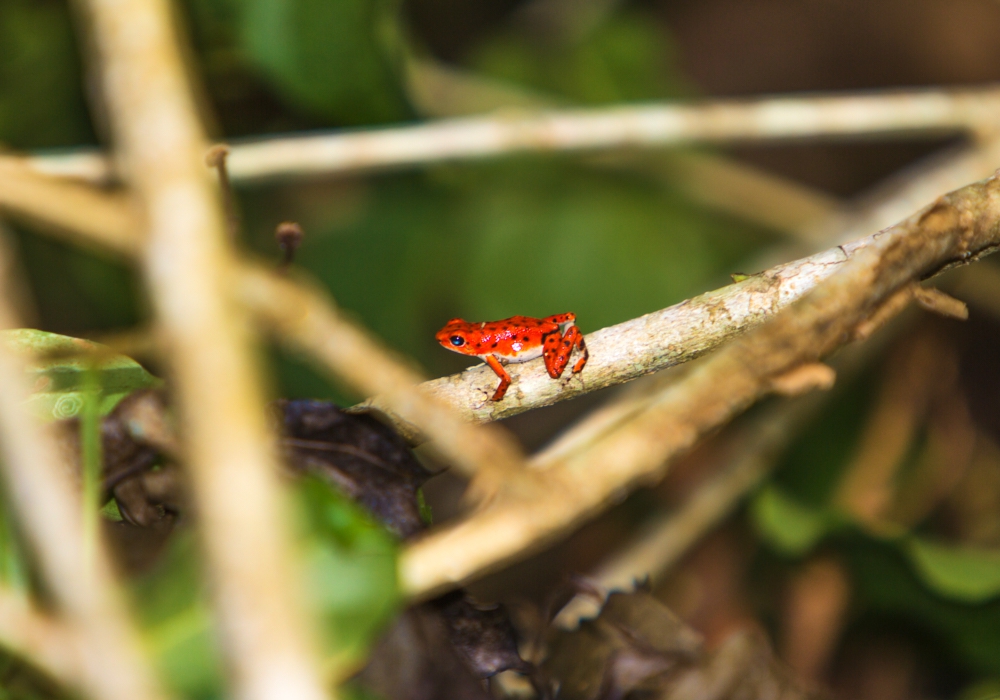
<point x="92" y="458"/>
<point x="58" y="368"/>
<point x="337" y="59"/>
<point x="791" y="527"/>
<point x="970" y="574"/>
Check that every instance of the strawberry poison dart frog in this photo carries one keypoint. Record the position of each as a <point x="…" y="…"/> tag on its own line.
<point x="517" y="339"/>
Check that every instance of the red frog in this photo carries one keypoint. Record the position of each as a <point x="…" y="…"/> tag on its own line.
<point x="517" y="339"/>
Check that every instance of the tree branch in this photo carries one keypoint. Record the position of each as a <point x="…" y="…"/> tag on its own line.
<point x="928" y="113"/>
<point x="909" y="190"/>
<point x="955" y="229"/>
<point x="650" y="343"/>
<point x="88" y="216"/>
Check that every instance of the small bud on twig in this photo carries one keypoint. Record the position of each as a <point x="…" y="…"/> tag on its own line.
<point x="216" y="158"/>
<point x="289" y="237"/>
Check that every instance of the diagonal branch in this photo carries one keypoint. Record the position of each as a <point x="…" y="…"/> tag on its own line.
<point x="909" y="190"/>
<point x="88" y="216"/>
<point x="955" y="229"/>
<point x="653" y="342"/>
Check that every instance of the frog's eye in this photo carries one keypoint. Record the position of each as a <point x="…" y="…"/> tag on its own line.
<point x="457" y="340"/>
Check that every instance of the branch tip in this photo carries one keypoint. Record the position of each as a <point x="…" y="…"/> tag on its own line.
<point x="803" y="379"/>
<point x="936" y="301"/>
<point x="216" y="156"/>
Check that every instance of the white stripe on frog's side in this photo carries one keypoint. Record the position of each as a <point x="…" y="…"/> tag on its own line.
<point x="521" y="356"/>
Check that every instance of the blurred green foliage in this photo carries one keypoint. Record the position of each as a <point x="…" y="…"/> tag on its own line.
<point x="41" y="94"/>
<point x="905" y="576"/>
<point x="350" y="592"/>
<point x="350" y="587"/>
<point x="342" y="60"/>
<point x="625" y="59"/>
<point x="887" y="586"/>
<point x="789" y="526"/>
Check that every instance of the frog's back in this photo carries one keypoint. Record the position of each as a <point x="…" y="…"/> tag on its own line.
<point x="514" y="339"/>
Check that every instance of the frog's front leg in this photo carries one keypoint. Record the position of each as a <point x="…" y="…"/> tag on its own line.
<point x="559" y="347"/>
<point x="495" y="365"/>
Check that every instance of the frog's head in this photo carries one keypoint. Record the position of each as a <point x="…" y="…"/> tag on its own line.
<point x="457" y="336"/>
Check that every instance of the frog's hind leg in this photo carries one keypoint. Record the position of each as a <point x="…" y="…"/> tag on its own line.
<point x="495" y="365"/>
<point x="558" y="348"/>
<point x="561" y="319"/>
<point x="554" y="354"/>
<point x="576" y="337"/>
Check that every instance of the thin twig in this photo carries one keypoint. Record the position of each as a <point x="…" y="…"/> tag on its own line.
<point x="111" y="665"/>
<point x="929" y="113"/>
<point x="92" y="217"/>
<point x="189" y="269"/>
<point x="722" y="183"/>
<point x="957" y="228"/>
